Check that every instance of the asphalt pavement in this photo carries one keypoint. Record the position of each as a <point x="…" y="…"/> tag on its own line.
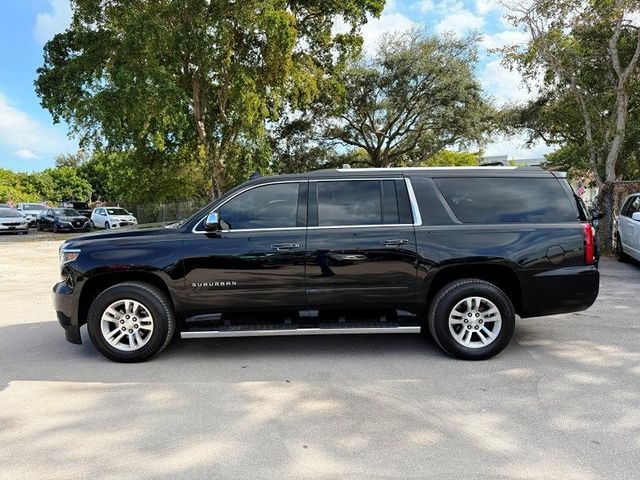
<point x="562" y="401"/>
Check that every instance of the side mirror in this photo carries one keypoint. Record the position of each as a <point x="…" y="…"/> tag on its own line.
<point x="596" y="215"/>
<point x="212" y="223"/>
<point x="636" y="216"/>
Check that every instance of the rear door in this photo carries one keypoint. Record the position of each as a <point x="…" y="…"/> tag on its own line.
<point x="361" y="248"/>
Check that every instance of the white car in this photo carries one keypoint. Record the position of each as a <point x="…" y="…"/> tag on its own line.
<point x="30" y="211"/>
<point x="628" y="235"/>
<point x="112" y="217"/>
<point x="12" y="221"/>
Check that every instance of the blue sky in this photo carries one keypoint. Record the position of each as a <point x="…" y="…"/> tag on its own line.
<point x="29" y="140"/>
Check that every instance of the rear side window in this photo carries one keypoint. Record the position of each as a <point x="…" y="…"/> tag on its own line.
<point x="507" y="200"/>
<point x="362" y="202"/>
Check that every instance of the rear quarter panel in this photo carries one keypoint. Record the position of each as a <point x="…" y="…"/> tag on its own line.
<point x="548" y="260"/>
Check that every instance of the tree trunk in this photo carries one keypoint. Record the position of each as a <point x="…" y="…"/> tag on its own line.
<point x="622" y="102"/>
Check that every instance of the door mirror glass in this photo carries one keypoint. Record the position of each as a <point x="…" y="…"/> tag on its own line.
<point x="636" y="216"/>
<point x="212" y="222"/>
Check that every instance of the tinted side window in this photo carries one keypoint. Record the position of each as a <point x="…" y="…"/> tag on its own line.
<point x="507" y="200"/>
<point x="432" y="209"/>
<point x="267" y="206"/>
<point x="350" y="202"/>
<point x="635" y="206"/>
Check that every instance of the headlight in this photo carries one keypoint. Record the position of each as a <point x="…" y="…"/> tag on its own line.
<point x="68" y="255"/>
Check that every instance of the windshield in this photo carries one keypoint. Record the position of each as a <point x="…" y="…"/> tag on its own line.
<point x="117" y="211"/>
<point x="32" y="206"/>
<point x="67" y="212"/>
<point x="8" y="212"/>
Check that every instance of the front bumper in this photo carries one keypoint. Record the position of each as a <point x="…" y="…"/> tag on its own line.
<point x="14" y="228"/>
<point x="66" y="227"/>
<point x="65" y="301"/>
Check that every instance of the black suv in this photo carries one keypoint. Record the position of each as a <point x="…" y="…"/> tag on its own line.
<point x="453" y="252"/>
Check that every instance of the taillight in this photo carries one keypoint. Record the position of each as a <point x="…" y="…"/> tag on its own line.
<point x="589" y="247"/>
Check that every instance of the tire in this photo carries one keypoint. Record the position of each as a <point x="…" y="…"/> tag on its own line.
<point x="622" y="257"/>
<point x="492" y="310"/>
<point x="38" y="226"/>
<point x="162" y="322"/>
<point x="106" y="225"/>
<point x="54" y="229"/>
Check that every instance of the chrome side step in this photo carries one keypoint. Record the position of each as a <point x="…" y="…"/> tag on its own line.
<point x="298" y="331"/>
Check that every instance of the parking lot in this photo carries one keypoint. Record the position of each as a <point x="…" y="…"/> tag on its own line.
<point x="562" y="401"/>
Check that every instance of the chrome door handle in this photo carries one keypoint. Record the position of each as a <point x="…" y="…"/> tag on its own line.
<point x="285" y="246"/>
<point x="393" y="243"/>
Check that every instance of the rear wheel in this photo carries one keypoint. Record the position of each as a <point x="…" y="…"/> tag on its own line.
<point x="471" y="319"/>
<point x="131" y="322"/>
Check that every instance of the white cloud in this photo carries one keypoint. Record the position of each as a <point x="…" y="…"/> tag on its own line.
<point x="26" y="154"/>
<point x="55" y="21"/>
<point x="504" y="84"/>
<point x="390" y="21"/>
<point x="426" y="6"/>
<point x="486" y="6"/>
<point x="459" y="21"/>
<point x="515" y="148"/>
<point x="503" y="39"/>
<point x="24" y="135"/>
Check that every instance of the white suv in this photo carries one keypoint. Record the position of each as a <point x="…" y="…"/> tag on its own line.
<point x="628" y="236"/>
<point x="112" y="217"/>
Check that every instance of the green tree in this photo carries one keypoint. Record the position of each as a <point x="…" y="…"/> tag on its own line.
<point x="67" y="184"/>
<point x="160" y="75"/>
<point x="587" y="56"/>
<point x="417" y="96"/>
<point x="448" y="158"/>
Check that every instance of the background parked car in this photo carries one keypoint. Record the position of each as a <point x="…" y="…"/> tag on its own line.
<point x="628" y="235"/>
<point x="63" y="219"/>
<point x="12" y="221"/>
<point x="30" y="211"/>
<point x="112" y="217"/>
<point x="5" y="205"/>
<point x="81" y="207"/>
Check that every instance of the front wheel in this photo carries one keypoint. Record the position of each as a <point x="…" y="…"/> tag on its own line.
<point x="471" y="319"/>
<point x="131" y="322"/>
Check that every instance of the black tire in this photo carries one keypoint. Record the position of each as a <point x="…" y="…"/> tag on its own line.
<point x="54" y="229"/>
<point x="445" y="301"/>
<point x="107" y="226"/>
<point x="154" y="300"/>
<point x="622" y="257"/>
<point x="38" y="226"/>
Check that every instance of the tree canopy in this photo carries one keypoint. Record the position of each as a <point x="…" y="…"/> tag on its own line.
<point x="415" y="97"/>
<point x="586" y="55"/>
<point x="163" y="76"/>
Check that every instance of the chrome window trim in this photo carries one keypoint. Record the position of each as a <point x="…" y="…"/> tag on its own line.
<point x="194" y="229"/>
<point x="415" y="211"/>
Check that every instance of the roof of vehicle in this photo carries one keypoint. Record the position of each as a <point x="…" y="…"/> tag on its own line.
<point x="533" y="172"/>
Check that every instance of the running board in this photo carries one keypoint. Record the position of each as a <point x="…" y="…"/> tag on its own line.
<point x="298" y="331"/>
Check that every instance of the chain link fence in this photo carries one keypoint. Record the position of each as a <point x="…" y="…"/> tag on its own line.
<point x="160" y="212"/>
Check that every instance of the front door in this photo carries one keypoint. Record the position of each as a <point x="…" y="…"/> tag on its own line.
<point x="257" y="261"/>
<point x="361" y="247"/>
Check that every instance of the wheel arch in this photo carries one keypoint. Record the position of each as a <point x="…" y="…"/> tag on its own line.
<point x="94" y="285"/>
<point x="502" y="276"/>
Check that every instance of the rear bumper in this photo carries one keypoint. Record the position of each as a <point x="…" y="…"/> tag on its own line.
<point x="65" y="302"/>
<point x="561" y="290"/>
